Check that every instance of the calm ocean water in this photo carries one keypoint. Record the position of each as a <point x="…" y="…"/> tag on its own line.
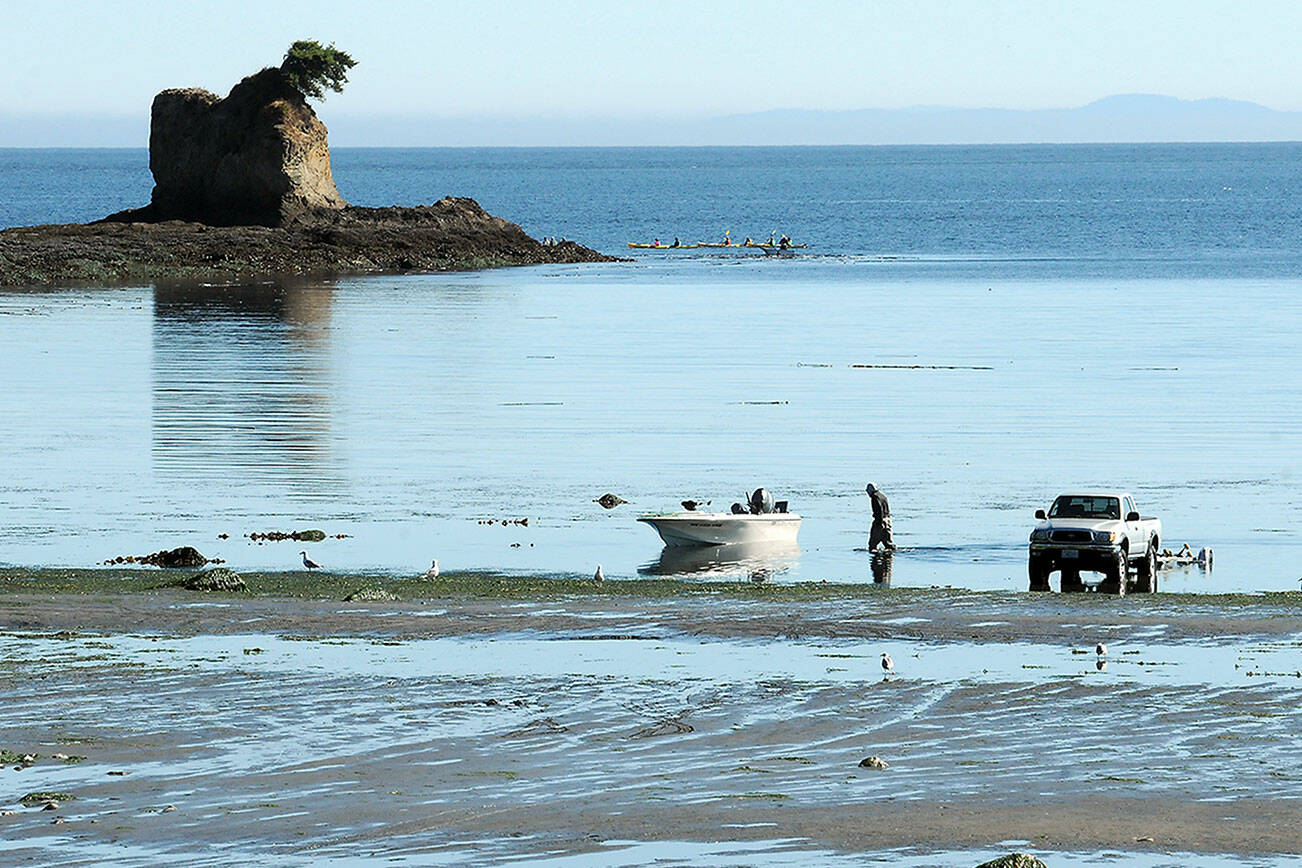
<point x="1121" y="316"/>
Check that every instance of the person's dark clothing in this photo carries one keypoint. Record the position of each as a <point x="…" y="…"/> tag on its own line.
<point x="881" y="509"/>
<point x="881" y="532"/>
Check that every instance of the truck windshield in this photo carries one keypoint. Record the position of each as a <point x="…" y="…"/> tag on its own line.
<point x="1077" y="506"/>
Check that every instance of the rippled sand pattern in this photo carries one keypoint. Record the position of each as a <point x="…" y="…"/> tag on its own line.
<point x="538" y="743"/>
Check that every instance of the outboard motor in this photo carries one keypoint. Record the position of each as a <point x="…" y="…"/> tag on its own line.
<point x="738" y="509"/>
<point x="761" y="502"/>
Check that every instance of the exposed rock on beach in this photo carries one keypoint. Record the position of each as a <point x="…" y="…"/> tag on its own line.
<point x="1014" y="860"/>
<point x="370" y="595"/>
<point x="184" y="556"/>
<point x="243" y="186"/>
<point x="219" y="579"/>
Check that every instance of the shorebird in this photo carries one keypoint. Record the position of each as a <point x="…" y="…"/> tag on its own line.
<point x="309" y="563"/>
<point x="433" y="571"/>
<point x="599" y="576"/>
<point x="1101" y="650"/>
<point x="888" y="665"/>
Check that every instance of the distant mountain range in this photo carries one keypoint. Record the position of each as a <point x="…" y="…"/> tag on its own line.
<point x="1124" y="118"/>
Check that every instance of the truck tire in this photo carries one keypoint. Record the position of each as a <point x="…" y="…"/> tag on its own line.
<point x="1117" y="575"/>
<point x="1070" y="582"/>
<point x="1146" y="575"/>
<point x="1038" y="570"/>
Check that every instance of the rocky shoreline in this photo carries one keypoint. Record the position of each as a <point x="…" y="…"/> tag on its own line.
<point x="243" y="188"/>
<point x="454" y="234"/>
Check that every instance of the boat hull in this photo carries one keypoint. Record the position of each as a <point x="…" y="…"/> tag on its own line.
<point x="721" y="528"/>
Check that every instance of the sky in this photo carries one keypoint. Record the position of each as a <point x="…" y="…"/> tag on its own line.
<point x="439" y="58"/>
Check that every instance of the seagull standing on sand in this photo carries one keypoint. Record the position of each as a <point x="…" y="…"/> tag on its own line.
<point x="309" y="563"/>
<point x="433" y="571"/>
<point x="599" y="576"/>
<point x="888" y="665"/>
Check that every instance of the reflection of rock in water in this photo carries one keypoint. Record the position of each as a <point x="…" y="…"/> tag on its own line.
<point x="882" y="563"/>
<point x="759" y="562"/>
<point x="240" y="383"/>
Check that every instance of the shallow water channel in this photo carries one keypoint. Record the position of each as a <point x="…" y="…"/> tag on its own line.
<point x="366" y="749"/>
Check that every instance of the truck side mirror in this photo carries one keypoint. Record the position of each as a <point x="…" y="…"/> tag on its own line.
<point x="1039" y="513"/>
<point x="1132" y="516"/>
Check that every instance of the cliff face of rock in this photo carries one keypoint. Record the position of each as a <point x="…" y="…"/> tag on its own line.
<point x="257" y="157"/>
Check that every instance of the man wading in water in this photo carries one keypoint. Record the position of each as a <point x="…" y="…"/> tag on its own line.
<point x="881" y="529"/>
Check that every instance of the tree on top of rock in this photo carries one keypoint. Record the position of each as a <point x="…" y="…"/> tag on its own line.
<point x="310" y="67"/>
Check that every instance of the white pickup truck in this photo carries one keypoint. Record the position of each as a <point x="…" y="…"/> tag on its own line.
<point x="1095" y="532"/>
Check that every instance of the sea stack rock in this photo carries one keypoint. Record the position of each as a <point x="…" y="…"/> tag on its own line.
<point x="257" y="157"/>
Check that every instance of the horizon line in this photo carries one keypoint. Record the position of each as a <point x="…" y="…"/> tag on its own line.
<point x="1046" y="144"/>
<point x="1124" y="118"/>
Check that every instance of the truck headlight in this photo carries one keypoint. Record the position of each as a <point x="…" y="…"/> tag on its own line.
<point x="1105" y="536"/>
<point x="1040" y="534"/>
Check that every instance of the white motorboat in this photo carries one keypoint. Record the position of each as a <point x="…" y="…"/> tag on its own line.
<point x="722" y="528"/>
<point x="763" y="522"/>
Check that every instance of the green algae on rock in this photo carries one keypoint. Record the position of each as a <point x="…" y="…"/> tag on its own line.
<point x="42" y="797"/>
<point x="219" y="579"/>
<point x="371" y="595"/>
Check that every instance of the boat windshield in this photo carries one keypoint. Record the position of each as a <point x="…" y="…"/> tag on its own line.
<point x="1079" y="506"/>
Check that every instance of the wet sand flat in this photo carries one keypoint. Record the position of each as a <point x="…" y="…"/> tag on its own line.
<point x="473" y="729"/>
<point x="469" y="603"/>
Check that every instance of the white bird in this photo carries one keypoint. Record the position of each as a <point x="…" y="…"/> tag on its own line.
<point x="433" y="571"/>
<point x="309" y="563"/>
<point x="1101" y="649"/>
<point x="599" y="576"/>
<point x="888" y="665"/>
